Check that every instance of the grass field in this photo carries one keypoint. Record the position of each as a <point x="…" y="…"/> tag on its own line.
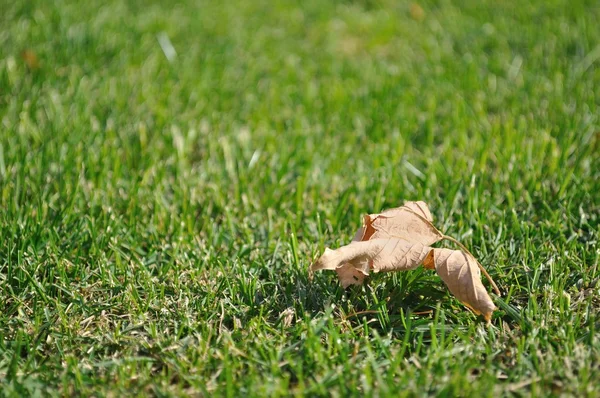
<point x="168" y="173"/>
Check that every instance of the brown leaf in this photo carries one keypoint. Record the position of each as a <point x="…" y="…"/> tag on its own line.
<point x="30" y="59"/>
<point x="399" y="239"/>
<point x="411" y="222"/>
<point x="460" y="273"/>
<point x="416" y="12"/>
<point x="354" y="261"/>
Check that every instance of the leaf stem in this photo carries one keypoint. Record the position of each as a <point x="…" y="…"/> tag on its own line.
<point x="488" y="277"/>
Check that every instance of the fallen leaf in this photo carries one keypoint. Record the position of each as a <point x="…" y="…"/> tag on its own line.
<point x="416" y="12"/>
<point x="460" y="273"/>
<point x="354" y="261"/>
<point x="411" y="222"/>
<point x="391" y="223"/>
<point x="31" y="59"/>
<point x="399" y="239"/>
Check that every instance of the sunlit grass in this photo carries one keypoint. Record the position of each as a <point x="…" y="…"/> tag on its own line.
<point x="159" y="206"/>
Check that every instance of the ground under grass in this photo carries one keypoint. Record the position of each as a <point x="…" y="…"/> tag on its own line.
<point x="168" y="172"/>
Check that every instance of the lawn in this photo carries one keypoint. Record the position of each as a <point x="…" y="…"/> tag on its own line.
<point x="169" y="172"/>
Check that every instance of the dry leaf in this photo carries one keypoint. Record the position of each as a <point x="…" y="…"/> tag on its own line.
<point x="398" y="240"/>
<point x="416" y="12"/>
<point x="354" y="261"/>
<point x="30" y="59"/>
<point x="460" y="273"/>
<point x="391" y="223"/>
<point x="411" y="222"/>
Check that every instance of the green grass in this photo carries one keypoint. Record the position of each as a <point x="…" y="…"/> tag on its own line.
<point x="158" y="217"/>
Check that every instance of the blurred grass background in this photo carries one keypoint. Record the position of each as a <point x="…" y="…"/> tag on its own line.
<point x="168" y="171"/>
